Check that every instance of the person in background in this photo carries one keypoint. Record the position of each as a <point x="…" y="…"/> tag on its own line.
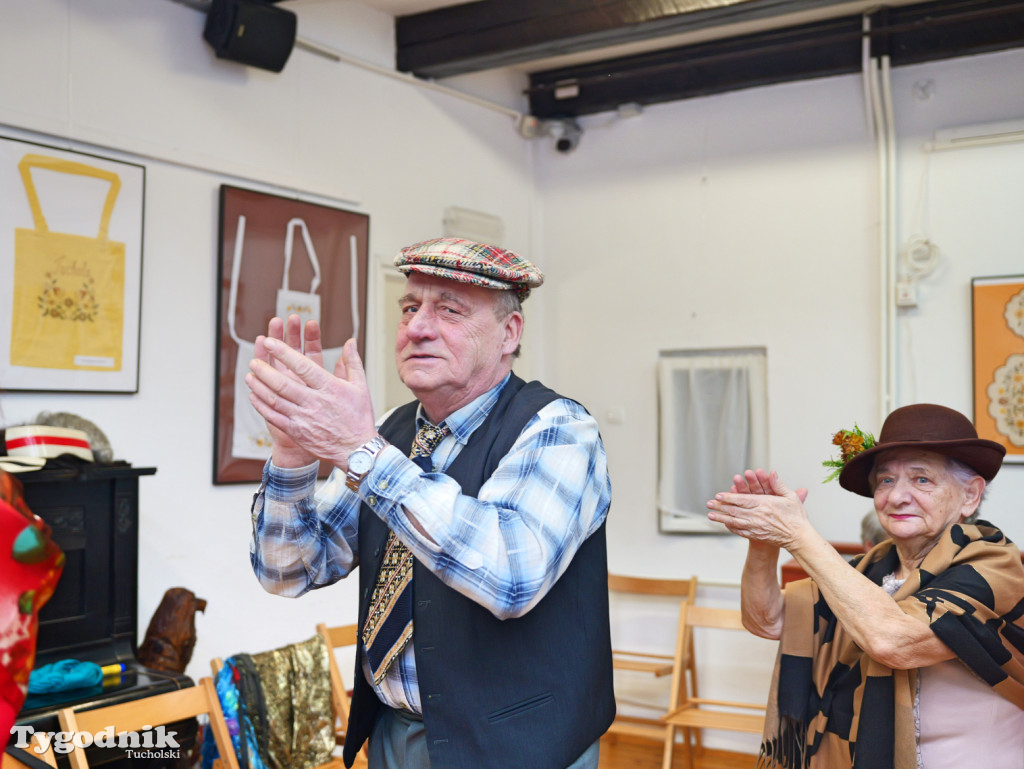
<point x="915" y="656"/>
<point x="475" y="515"/>
<point x="871" y="531"/>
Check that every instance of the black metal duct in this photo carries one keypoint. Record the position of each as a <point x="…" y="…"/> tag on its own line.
<point x="499" y="33"/>
<point x="907" y="34"/>
<point x="485" y="34"/>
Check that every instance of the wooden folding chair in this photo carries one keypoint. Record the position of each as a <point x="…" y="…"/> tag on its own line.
<point x="338" y="637"/>
<point x="32" y="757"/>
<point x="157" y="710"/>
<point x="682" y="670"/>
<point x="694" y="713"/>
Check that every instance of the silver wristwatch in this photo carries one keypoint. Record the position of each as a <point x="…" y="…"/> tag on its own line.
<point x="360" y="461"/>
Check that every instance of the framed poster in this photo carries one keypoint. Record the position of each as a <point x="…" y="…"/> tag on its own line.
<point x="71" y="265"/>
<point x="278" y="256"/>
<point x="998" y="314"/>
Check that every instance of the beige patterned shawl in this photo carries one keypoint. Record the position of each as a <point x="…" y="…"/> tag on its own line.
<point x="833" y="707"/>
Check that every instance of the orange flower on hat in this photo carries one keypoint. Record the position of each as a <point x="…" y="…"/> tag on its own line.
<point x="850" y="443"/>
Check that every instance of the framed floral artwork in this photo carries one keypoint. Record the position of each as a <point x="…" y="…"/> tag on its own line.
<point x="278" y="256"/>
<point x="70" y="270"/>
<point x="998" y="322"/>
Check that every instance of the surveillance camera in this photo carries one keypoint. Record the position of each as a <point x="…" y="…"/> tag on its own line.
<point x="568" y="137"/>
<point x="567" y="143"/>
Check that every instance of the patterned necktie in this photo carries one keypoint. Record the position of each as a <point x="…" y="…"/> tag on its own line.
<point x="388" y="628"/>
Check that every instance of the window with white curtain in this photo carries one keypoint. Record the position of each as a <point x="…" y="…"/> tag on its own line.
<point x="713" y="423"/>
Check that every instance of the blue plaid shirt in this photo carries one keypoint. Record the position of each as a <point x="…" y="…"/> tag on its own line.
<point x="504" y="548"/>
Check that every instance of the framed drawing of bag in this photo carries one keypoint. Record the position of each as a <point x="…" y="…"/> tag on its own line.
<point x="72" y="270"/>
<point x="278" y="256"/>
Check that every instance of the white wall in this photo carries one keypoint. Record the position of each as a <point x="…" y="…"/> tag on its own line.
<point x="752" y="219"/>
<point x="743" y="219"/>
<point x="968" y="203"/>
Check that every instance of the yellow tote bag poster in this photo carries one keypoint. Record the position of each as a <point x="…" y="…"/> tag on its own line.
<point x="68" y="304"/>
<point x="71" y="238"/>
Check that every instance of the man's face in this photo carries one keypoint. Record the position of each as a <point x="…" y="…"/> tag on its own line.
<point x="451" y="347"/>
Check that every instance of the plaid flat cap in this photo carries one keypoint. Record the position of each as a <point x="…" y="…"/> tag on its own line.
<point x="474" y="263"/>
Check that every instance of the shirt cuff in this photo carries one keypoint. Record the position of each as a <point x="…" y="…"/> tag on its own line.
<point x="391" y="472"/>
<point x="290" y="484"/>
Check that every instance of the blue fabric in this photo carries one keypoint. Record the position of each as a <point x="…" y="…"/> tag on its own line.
<point x="239" y="726"/>
<point x="63" y="676"/>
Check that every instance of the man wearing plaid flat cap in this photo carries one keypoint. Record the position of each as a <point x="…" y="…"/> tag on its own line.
<point x="476" y="514"/>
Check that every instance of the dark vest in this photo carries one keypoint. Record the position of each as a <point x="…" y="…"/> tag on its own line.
<point x="531" y="692"/>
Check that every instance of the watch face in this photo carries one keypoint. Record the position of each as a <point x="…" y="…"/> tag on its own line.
<point x="360" y="462"/>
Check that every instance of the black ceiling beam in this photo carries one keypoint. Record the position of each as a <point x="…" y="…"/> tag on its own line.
<point x="940" y="30"/>
<point x="497" y="33"/>
<point x="830" y="48"/>
<point x="907" y="34"/>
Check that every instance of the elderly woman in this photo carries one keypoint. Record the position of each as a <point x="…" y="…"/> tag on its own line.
<point x="914" y="657"/>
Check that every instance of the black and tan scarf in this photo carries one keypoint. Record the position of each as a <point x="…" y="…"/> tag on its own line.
<point x="826" y="692"/>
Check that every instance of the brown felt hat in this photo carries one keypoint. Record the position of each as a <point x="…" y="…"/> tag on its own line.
<point x="927" y="427"/>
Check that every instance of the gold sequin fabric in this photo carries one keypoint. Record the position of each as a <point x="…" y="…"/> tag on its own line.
<point x="296" y="686"/>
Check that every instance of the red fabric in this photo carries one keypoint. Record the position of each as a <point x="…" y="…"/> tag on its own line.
<point x="8" y="714"/>
<point x="30" y="565"/>
<point x="45" y="440"/>
<point x="11" y="493"/>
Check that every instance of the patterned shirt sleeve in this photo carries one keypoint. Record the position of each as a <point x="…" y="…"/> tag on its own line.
<point x="302" y="540"/>
<point x="503" y="549"/>
<point x="507" y="547"/>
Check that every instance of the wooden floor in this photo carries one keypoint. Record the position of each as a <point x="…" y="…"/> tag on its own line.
<point x="621" y="752"/>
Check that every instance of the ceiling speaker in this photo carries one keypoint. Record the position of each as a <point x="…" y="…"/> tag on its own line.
<point x="252" y="32"/>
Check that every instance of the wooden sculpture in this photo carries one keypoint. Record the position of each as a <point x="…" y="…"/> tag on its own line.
<point x="171" y="635"/>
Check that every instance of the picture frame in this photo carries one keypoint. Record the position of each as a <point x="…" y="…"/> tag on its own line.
<point x="71" y="267"/>
<point x="277" y="256"/>
<point x="699" y="389"/>
<point x="997" y="307"/>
